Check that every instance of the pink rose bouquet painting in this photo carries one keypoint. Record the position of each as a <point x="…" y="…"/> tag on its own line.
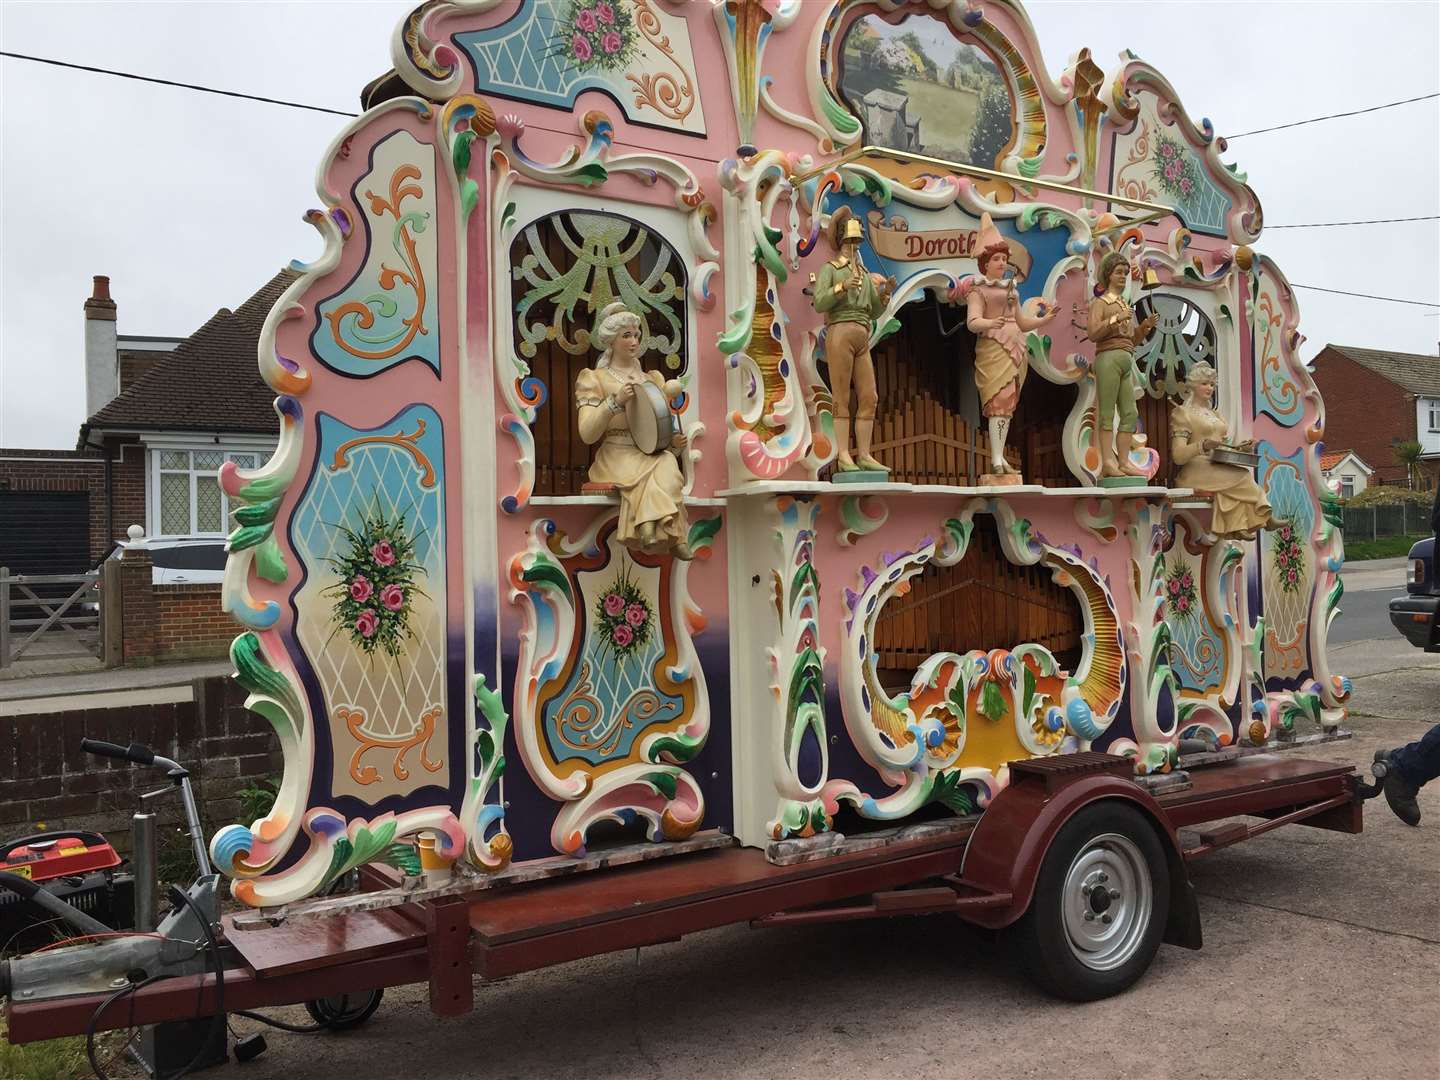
<point x="596" y="34"/>
<point x="1180" y="594"/>
<point x="377" y="586"/>
<point x="1174" y="170"/>
<point x="623" y="619"/>
<point x="1289" y="558"/>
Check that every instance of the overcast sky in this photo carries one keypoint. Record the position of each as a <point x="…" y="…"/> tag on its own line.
<point x="190" y="202"/>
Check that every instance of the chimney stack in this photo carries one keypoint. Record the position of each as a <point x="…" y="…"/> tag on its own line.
<point x="102" y="357"/>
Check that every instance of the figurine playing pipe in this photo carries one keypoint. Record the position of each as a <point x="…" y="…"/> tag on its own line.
<point x="652" y="501"/>
<point x="1112" y="327"/>
<point x="993" y="313"/>
<point x="1196" y="429"/>
<point x="850" y="298"/>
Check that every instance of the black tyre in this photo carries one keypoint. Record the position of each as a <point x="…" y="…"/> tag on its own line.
<point x="345" y="1011"/>
<point x="1100" y="905"/>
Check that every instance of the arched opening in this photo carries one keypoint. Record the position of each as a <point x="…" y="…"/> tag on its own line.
<point x="928" y="427"/>
<point x="984" y="601"/>
<point x="565" y="268"/>
<point x="1183" y="337"/>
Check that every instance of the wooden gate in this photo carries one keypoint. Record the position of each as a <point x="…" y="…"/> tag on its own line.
<point x="54" y="616"/>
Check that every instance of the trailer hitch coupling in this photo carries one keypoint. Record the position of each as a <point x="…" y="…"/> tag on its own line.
<point x="1380" y="769"/>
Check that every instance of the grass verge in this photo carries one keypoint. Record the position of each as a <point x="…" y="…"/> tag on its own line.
<point x="1387" y="547"/>
<point x="62" y="1059"/>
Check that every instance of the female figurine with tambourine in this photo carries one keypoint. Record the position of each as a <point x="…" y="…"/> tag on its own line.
<point x="612" y="399"/>
<point x="1197" y="439"/>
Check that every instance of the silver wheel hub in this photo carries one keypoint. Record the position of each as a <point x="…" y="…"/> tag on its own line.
<point x="1108" y="901"/>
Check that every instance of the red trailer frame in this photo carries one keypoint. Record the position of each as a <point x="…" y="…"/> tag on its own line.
<point x="986" y="874"/>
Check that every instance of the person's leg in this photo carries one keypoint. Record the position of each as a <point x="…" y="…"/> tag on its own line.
<point x="1129" y="417"/>
<point x="866" y="398"/>
<point x="1107" y="387"/>
<point x="840" y="357"/>
<point x="1419" y="762"/>
<point x="1411" y="768"/>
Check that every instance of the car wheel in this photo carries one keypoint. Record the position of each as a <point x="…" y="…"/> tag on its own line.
<point x="345" y="1011"/>
<point x="1100" y="905"/>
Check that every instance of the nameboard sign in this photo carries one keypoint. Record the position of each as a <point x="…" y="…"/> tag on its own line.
<point x="895" y="241"/>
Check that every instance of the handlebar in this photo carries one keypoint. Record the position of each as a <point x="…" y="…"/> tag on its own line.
<point x="140" y="755"/>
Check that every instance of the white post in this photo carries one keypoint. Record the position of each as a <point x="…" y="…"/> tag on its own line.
<point x="4" y="616"/>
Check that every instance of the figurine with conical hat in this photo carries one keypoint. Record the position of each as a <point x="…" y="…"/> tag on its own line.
<point x="851" y="298"/>
<point x="994" y="315"/>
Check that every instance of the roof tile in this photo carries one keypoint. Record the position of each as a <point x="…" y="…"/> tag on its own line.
<point x="1415" y="372"/>
<point x="210" y="382"/>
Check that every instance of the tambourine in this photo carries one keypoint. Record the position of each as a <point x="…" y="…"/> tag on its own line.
<point x="649" y="417"/>
<point x="1229" y="455"/>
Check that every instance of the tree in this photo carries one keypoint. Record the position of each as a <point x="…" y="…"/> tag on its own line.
<point x="993" y="127"/>
<point x="865" y="70"/>
<point x="916" y="46"/>
<point x="1407" y="452"/>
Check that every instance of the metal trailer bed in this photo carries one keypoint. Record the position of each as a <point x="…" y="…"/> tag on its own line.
<point x="983" y="871"/>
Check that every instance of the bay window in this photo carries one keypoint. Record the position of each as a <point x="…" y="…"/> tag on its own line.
<point x="185" y="494"/>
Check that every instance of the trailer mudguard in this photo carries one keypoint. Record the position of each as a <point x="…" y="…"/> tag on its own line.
<point x="1009" y="845"/>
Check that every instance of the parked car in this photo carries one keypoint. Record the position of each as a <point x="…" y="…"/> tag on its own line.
<point x="182" y="560"/>
<point x="1414" y="613"/>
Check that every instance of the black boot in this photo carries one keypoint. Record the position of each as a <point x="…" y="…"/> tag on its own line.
<point x="1400" y="794"/>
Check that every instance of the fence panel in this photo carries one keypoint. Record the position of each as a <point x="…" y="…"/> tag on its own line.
<point x="54" y="612"/>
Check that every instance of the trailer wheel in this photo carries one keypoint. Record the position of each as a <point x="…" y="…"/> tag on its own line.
<point x="1100" y="905"/>
<point x="345" y="1011"/>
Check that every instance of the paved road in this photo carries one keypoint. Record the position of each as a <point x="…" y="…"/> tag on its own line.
<point x="1322" y="960"/>
<point x="1365" y="605"/>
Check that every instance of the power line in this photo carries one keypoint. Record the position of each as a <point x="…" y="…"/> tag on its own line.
<point x="1333" y="116"/>
<point x="169" y="82"/>
<point x="1372" y="221"/>
<point x="1365" y="296"/>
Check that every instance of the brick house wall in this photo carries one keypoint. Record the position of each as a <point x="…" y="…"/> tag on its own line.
<point x="165" y="623"/>
<point x="62" y="471"/>
<point x="1364" y="412"/>
<point x="189" y="623"/>
<point x="46" y="779"/>
<point x="127" y="480"/>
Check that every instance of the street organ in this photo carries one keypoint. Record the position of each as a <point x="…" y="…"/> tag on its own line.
<point x="505" y="622"/>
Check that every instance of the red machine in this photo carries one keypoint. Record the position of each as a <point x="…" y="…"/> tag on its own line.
<point x="53" y="855"/>
<point x="80" y="868"/>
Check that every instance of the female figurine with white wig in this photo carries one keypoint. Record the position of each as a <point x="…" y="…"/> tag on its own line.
<point x="1196" y="430"/>
<point x="652" y="502"/>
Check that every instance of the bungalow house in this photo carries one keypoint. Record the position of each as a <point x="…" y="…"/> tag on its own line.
<point x="1345" y="467"/>
<point x="1375" y="399"/>
<point x="164" y="414"/>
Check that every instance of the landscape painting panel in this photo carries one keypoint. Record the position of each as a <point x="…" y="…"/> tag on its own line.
<point x="917" y="87"/>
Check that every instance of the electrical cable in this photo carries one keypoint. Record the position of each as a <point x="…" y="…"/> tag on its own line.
<point x="1333" y="116"/>
<point x="128" y="988"/>
<point x="1366" y="296"/>
<point x="1372" y="221"/>
<point x="340" y="112"/>
<point x="217" y="1024"/>
<point x="171" y="82"/>
<point x="299" y="1029"/>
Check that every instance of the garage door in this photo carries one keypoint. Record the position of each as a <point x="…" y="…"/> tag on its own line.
<point x="45" y="532"/>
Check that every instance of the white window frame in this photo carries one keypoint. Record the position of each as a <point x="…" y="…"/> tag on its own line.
<point x="1433" y="405"/>
<point x="1347" y="486"/>
<point x="155" y="447"/>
